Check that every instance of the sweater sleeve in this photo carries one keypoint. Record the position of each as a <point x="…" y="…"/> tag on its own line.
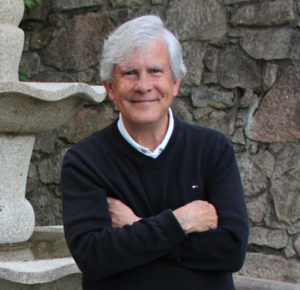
<point x="223" y="248"/>
<point x="99" y="249"/>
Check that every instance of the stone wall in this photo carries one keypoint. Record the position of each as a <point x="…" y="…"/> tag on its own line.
<point x="243" y="60"/>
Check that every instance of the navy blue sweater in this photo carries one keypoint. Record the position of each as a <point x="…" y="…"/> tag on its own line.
<point x="154" y="253"/>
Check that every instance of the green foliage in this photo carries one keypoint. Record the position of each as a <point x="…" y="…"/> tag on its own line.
<point x="22" y="75"/>
<point x="32" y="3"/>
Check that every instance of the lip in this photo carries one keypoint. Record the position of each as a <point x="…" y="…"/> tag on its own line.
<point x="143" y="101"/>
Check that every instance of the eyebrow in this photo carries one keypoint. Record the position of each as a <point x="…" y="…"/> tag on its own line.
<point x="126" y="69"/>
<point x="133" y="69"/>
<point x="158" y="67"/>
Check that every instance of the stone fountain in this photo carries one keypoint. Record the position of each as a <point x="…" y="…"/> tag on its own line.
<point x="27" y="108"/>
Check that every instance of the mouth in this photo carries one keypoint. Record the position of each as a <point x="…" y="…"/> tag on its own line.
<point x="143" y="101"/>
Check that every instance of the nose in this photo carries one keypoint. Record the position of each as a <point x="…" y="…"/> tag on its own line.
<point x="143" y="83"/>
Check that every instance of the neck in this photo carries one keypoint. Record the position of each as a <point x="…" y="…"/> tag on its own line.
<point x="148" y="135"/>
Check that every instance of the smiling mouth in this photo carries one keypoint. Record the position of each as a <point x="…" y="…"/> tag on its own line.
<point x="144" y="101"/>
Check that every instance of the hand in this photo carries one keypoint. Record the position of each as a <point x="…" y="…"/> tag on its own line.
<point x="120" y="213"/>
<point x="197" y="216"/>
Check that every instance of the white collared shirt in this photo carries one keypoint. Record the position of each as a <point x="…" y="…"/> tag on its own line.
<point x="142" y="149"/>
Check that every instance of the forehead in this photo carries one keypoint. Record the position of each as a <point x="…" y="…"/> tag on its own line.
<point x="153" y="53"/>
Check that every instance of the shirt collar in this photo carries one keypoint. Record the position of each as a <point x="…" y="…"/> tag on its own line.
<point x="144" y="150"/>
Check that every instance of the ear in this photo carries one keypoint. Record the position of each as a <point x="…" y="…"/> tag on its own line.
<point x="176" y="85"/>
<point x="109" y="89"/>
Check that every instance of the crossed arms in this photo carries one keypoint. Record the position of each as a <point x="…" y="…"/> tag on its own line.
<point x="196" y="216"/>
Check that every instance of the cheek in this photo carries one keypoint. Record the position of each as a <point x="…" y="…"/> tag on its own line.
<point x="124" y="88"/>
<point x="167" y="90"/>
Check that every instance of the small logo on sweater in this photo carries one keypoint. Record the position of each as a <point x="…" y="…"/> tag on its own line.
<point x="195" y="186"/>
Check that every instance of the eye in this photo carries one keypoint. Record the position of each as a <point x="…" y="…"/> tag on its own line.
<point x="156" y="71"/>
<point x="131" y="73"/>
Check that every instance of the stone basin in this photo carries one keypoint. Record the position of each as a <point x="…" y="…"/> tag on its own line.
<point x="42" y="259"/>
<point x="27" y="107"/>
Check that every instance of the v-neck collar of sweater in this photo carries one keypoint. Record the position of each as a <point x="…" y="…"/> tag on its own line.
<point x="137" y="157"/>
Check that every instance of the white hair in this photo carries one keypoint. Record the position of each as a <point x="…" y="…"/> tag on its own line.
<point x="134" y="34"/>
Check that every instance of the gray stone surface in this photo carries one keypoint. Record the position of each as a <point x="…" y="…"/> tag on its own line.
<point x="297" y="245"/>
<point x="38" y="107"/>
<point x="46" y="142"/>
<point x="70" y="282"/>
<point x="239" y="137"/>
<point x="182" y="108"/>
<point x="266" y="162"/>
<point x="49" y="209"/>
<point x="208" y="97"/>
<point x="94" y="118"/>
<point x="260" y="236"/>
<point x="254" y="181"/>
<point x="271" y="43"/>
<point x="241" y="118"/>
<point x="41" y="271"/>
<point x="12" y="40"/>
<point x="216" y="119"/>
<point x="277" y="118"/>
<point x="30" y="62"/>
<point x="32" y="178"/>
<point x="11" y="12"/>
<point x="40" y="38"/>
<point x="229" y="2"/>
<point x="126" y="3"/>
<point x="16" y="213"/>
<point x="257" y="209"/>
<point x="231" y="70"/>
<point x="269" y="75"/>
<point x="264" y="14"/>
<point x="285" y="188"/>
<point x="193" y="54"/>
<point x="25" y="109"/>
<point x="58" y="19"/>
<point x="289" y="251"/>
<point x="210" y="59"/>
<point x="248" y="99"/>
<point x="155" y="2"/>
<point x="29" y="264"/>
<point x="86" y="76"/>
<point x="49" y="169"/>
<point x="248" y="283"/>
<point x="72" y="4"/>
<point x="54" y="76"/>
<point x="206" y="19"/>
<point x="69" y="49"/>
<point x="271" y="267"/>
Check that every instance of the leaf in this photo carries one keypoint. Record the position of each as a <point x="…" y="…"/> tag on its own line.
<point x="30" y="4"/>
<point x="22" y="74"/>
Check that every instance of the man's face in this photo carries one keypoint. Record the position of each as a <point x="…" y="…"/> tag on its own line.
<point x="143" y="87"/>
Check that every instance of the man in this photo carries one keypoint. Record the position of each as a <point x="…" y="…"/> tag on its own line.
<point x="152" y="202"/>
